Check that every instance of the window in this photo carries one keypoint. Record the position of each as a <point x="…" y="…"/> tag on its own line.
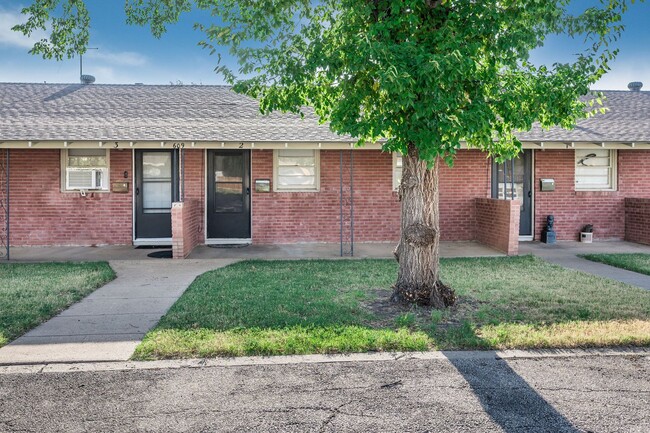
<point x="296" y="170"/>
<point x="397" y="170"/>
<point x="595" y="170"/>
<point x="85" y="169"/>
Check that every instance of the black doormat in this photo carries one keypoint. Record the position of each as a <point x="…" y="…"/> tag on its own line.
<point x="230" y="246"/>
<point x="164" y="254"/>
<point x="152" y="247"/>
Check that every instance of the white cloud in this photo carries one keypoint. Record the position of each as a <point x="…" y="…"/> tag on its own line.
<point x="10" y="38"/>
<point x="124" y="58"/>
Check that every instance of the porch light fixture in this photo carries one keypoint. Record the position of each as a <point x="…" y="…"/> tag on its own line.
<point x="65" y="144"/>
<point x="29" y="144"/>
<point x="162" y="144"/>
<point x="130" y="143"/>
<point x="101" y="144"/>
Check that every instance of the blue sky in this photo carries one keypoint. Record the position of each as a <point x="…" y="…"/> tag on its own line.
<point x="129" y="54"/>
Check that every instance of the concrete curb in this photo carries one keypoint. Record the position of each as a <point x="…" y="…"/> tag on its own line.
<point x="316" y="359"/>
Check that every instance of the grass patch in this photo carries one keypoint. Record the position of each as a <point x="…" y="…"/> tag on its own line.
<point x="635" y="262"/>
<point x="323" y="306"/>
<point x="31" y="293"/>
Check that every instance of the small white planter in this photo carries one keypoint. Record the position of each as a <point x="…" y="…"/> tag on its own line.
<point x="586" y="237"/>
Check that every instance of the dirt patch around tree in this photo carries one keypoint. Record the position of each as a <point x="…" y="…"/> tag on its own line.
<point x="387" y="313"/>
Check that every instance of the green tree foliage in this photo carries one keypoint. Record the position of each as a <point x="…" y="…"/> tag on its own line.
<point x="433" y="73"/>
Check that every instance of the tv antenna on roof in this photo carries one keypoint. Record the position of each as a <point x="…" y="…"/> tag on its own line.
<point x="85" y="79"/>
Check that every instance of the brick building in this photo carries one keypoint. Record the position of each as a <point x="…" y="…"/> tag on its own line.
<point x="156" y="165"/>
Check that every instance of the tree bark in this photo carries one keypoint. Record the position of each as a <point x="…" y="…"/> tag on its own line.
<point x="417" y="253"/>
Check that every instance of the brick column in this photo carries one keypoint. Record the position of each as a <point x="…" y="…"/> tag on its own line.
<point x="637" y="220"/>
<point x="497" y="224"/>
<point x="186" y="227"/>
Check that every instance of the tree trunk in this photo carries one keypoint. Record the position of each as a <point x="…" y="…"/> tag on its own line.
<point x="418" y="250"/>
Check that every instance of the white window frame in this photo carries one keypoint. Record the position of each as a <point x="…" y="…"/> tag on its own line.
<point x="612" y="172"/>
<point x="105" y="170"/>
<point x="397" y="159"/>
<point x="279" y="188"/>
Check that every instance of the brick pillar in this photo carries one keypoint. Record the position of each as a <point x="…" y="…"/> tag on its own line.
<point x="637" y="220"/>
<point x="186" y="226"/>
<point x="497" y="224"/>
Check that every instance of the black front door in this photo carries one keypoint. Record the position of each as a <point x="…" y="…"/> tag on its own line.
<point x="156" y="187"/>
<point x="229" y="204"/>
<point x="512" y="180"/>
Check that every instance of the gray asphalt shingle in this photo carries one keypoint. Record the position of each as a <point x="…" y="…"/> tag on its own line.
<point x="215" y="113"/>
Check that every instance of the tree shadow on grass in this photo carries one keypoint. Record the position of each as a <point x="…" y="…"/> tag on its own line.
<point x="506" y="397"/>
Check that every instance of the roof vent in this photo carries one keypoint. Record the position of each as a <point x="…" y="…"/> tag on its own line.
<point x="87" y="79"/>
<point x="635" y="86"/>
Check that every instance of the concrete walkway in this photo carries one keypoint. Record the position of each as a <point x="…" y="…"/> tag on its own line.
<point x="313" y="250"/>
<point x="108" y="324"/>
<point x="566" y="254"/>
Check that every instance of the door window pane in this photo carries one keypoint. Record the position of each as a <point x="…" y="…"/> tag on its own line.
<point x="229" y="168"/>
<point x="157" y="165"/>
<point x="157" y="197"/>
<point x="156" y="182"/>
<point x="506" y="180"/>
<point x="229" y="197"/>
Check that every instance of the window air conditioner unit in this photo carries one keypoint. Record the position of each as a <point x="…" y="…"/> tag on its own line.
<point x="84" y="178"/>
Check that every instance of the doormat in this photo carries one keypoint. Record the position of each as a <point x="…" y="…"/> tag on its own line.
<point x="230" y="246"/>
<point x="165" y="254"/>
<point x="152" y="247"/>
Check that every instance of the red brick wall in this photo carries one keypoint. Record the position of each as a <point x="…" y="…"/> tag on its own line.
<point x="637" y="220"/>
<point x="195" y="183"/>
<point x="186" y="227"/>
<point x="574" y="209"/>
<point x="284" y="217"/>
<point x="497" y="224"/>
<point x="43" y="215"/>
<point x="467" y="180"/>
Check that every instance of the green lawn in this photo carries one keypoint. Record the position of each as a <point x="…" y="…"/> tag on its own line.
<point x="636" y="262"/>
<point x="31" y="293"/>
<point x="321" y="306"/>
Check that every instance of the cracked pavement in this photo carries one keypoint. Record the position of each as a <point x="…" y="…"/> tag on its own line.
<point x="457" y="394"/>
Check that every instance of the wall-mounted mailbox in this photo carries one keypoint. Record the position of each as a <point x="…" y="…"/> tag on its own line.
<point x="120" y="187"/>
<point x="262" y="185"/>
<point x="547" y="184"/>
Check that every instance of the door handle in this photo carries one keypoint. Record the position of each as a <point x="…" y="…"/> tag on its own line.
<point x="137" y="191"/>
<point x="248" y="190"/>
<point x="530" y="194"/>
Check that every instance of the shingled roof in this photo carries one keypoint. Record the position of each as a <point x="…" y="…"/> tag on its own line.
<point x="216" y="113"/>
<point x="143" y="112"/>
